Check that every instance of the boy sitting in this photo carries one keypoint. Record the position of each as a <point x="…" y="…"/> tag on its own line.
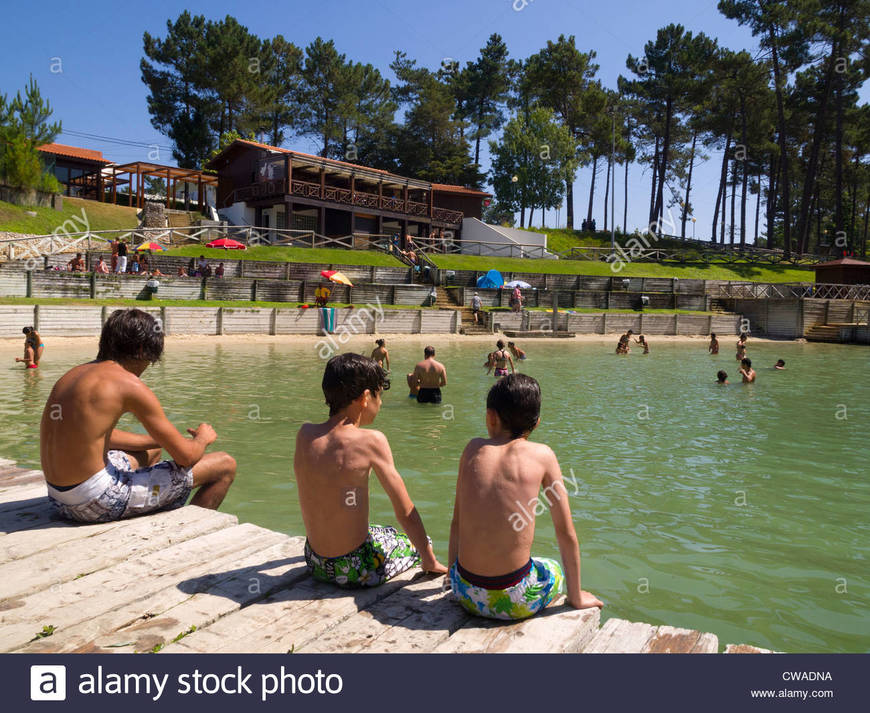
<point x="96" y="472"/>
<point x="491" y="571"/>
<point x="332" y="465"/>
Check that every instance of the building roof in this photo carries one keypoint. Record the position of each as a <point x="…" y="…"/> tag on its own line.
<point x="844" y="262"/>
<point x="449" y="188"/>
<point x="342" y="166"/>
<point x="74" y="152"/>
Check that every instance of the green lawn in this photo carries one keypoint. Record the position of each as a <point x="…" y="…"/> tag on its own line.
<point x="277" y="253"/>
<point x="236" y="304"/>
<point x="97" y="216"/>
<point x="755" y="273"/>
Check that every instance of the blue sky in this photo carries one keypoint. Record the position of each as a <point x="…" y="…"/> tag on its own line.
<point x="99" y="46"/>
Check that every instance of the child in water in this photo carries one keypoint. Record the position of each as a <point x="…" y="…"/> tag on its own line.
<point x="780" y="364"/>
<point x="721" y="377"/>
<point x="713" y="348"/>
<point x="517" y="352"/>
<point x="642" y="341"/>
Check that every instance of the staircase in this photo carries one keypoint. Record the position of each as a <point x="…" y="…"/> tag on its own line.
<point x="445" y="299"/>
<point x="823" y="333"/>
<point x="719" y="306"/>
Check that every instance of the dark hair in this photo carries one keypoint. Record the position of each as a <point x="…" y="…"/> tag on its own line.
<point x="712" y="335"/>
<point x="721" y="375"/>
<point x="500" y="344"/>
<point x="27" y="330"/>
<point x="429" y="351"/>
<point x="630" y="331"/>
<point x="511" y="344"/>
<point x="347" y="376"/>
<point x="517" y="400"/>
<point x="747" y="361"/>
<point x="780" y="361"/>
<point x="131" y="334"/>
<point x="379" y="342"/>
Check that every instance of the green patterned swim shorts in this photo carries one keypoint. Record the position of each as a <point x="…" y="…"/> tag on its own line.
<point x="535" y="586"/>
<point x="385" y="553"/>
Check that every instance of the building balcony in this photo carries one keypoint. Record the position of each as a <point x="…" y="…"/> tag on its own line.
<point x="345" y="197"/>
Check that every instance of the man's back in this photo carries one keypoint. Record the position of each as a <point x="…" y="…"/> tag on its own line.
<point x="431" y="373"/>
<point x="81" y="411"/>
<point x="496" y="484"/>
<point x="332" y="465"/>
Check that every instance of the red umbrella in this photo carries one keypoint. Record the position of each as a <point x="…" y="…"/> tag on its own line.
<point x="226" y="244"/>
<point x="336" y="276"/>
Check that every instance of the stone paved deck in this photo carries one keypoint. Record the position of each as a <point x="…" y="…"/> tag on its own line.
<point x="194" y="580"/>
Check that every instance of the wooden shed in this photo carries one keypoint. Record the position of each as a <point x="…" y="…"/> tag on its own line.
<point x="845" y="271"/>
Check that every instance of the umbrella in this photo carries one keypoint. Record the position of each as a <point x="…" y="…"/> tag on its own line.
<point x="150" y="246"/>
<point x="492" y="278"/>
<point x="518" y="283"/>
<point x="226" y="244"/>
<point x="336" y="276"/>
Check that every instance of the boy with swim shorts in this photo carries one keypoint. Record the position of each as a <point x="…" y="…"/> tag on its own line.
<point x="492" y="573"/>
<point x="96" y="472"/>
<point x="332" y="465"/>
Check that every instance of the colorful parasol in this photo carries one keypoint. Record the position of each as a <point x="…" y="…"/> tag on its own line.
<point x="226" y="244"/>
<point x="150" y="246"/>
<point x="336" y="276"/>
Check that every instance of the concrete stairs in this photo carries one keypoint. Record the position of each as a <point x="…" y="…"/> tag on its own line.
<point x="823" y="333"/>
<point x="719" y="306"/>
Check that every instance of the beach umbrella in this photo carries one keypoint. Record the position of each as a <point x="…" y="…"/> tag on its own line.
<point x="491" y="279"/>
<point x="150" y="246"/>
<point x="336" y="276"/>
<point x="518" y="283"/>
<point x="226" y="244"/>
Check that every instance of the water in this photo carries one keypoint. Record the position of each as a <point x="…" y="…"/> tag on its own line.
<point x="742" y="511"/>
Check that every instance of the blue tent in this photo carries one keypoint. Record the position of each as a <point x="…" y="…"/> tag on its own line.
<point x="492" y="278"/>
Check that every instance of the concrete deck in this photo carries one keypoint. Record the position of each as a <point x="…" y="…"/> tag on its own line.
<point x="194" y="580"/>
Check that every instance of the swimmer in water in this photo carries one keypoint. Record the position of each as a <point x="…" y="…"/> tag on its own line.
<point x="517" y="352"/>
<point x="380" y="354"/>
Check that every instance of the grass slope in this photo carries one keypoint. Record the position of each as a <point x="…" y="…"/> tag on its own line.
<point x="97" y="216"/>
<point x="277" y="253"/>
<point x="755" y="273"/>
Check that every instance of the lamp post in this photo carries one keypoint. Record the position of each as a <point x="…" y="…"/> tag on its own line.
<point x="693" y="227"/>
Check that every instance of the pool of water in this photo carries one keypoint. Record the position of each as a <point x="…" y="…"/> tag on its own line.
<point x="739" y="510"/>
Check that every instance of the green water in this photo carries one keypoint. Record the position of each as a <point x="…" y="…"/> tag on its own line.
<point x="739" y="510"/>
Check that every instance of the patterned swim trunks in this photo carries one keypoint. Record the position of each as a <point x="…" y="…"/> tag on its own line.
<point x="385" y="553"/>
<point x="539" y="586"/>
<point x="118" y="492"/>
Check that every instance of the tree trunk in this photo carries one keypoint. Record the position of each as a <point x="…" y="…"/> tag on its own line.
<point x="866" y="219"/>
<point x="663" y="168"/>
<point x="522" y="215"/>
<point x="569" y="202"/>
<point x="745" y="173"/>
<point x="733" y="200"/>
<point x="592" y="188"/>
<point x="652" y="193"/>
<point x="625" y="208"/>
<point x="686" y="204"/>
<point x="723" y="177"/>
<point x="803" y="221"/>
<point x="839" y="225"/>
<point x="785" y="180"/>
<point x="757" y="208"/>
<point x="853" y="222"/>
<point x="770" y="203"/>
<point x="607" y="194"/>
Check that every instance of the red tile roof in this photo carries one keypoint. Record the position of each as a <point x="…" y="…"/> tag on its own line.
<point x="74" y="152"/>
<point x="844" y="261"/>
<point x="449" y="188"/>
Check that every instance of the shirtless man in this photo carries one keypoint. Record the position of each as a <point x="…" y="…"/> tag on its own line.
<point x="332" y="463"/>
<point x="429" y="375"/>
<point x="97" y="473"/>
<point x="492" y="573"/>
<point x="713" y="347"/>
<point x="77" y="264"/>
<point x="747" y="371"/>
<point x="380" y="354"/>
<point x="501" y="358"/>
<point x="517" y="352"/>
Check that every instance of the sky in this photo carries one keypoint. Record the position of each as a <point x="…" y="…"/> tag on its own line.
<point x="85" y="58"/>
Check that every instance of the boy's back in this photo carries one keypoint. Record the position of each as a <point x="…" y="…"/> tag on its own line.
<point x="498" y="482"/>
<point x="332" y="466"/>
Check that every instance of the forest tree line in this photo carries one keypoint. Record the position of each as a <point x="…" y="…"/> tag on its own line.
<point x="786" y="121"/>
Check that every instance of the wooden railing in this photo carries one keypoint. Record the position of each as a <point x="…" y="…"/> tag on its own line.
<point x="789" y="290"/>
<point x="364" y="199"/>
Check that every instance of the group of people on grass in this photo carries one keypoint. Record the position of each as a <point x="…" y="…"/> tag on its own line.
<point x="140" y="264"/>
<point x="97" y="473"/>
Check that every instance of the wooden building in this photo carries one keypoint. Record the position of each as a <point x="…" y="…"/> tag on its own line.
<point x="272" y="187"/>
<point x="72" y="165"/>
<point x="845" y="271"/>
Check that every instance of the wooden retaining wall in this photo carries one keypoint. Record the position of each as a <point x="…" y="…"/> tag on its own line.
<point x="608" y="323"/>
<point x="791" y="318"/>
